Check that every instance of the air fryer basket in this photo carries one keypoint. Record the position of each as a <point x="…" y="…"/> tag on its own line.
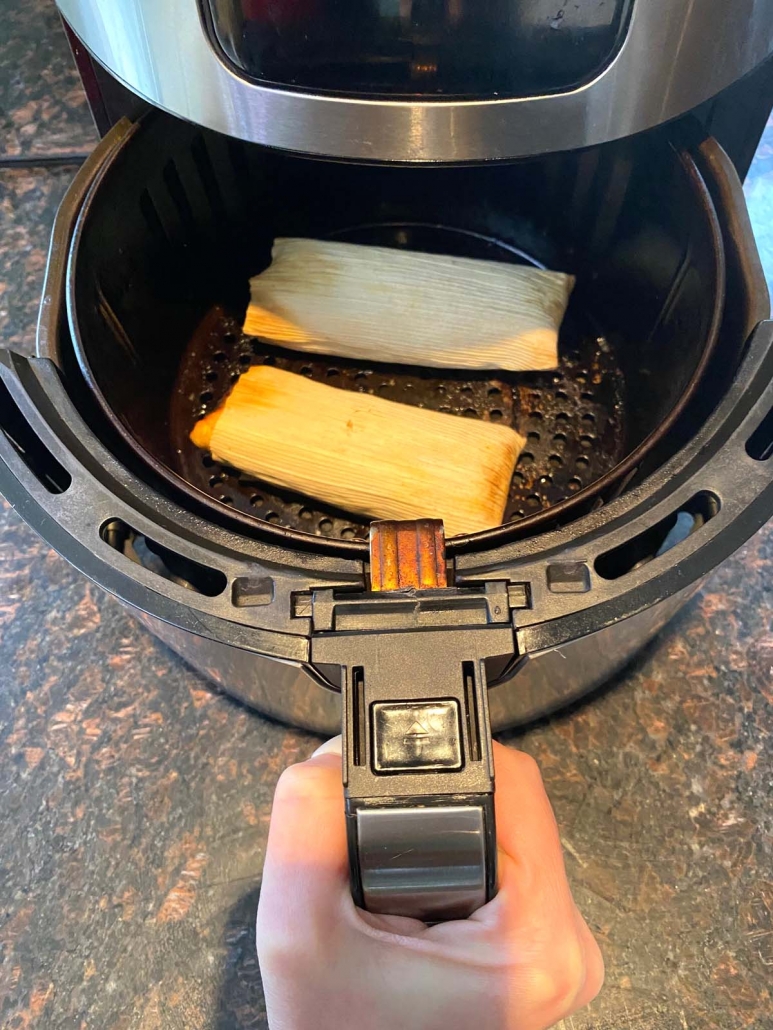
<point x="180" y="219"/>
<point x="237" y="592"/>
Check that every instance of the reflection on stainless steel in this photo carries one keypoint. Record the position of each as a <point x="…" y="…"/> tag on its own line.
<point x="279" y="689"/>
<point x="553" y="679"/>
<point x="677" y="54"/>
<point x="540" y="684"/>
<point x="422" y="862"/>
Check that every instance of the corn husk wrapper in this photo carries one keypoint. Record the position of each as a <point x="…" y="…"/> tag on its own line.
<point x="383" y="304"/>
<point x="370" y="456"/>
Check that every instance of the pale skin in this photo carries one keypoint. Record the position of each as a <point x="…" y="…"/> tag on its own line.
<point x="523" y="962"/>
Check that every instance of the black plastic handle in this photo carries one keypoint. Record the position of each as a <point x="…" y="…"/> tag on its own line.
<point x="419" y="778"/>
<point x="418" y="767"/>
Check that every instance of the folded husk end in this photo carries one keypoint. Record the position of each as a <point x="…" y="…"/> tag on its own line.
<point x="201" y="434"/>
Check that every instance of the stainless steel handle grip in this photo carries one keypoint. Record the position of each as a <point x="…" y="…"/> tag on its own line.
<point x="432" y="863"/>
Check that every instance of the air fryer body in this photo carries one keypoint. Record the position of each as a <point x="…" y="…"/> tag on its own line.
<point x="424" y="81"/>
<point x="541" y="683"/>
<point x="604" y="104"/>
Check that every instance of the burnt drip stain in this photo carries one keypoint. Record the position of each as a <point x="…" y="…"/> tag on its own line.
<point x="572" y="417"/>
<point x="574" y="424"/>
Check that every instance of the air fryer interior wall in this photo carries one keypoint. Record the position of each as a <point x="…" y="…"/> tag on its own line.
<point x="191" y="215"/>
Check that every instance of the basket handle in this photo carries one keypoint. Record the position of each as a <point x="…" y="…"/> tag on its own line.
<point x="417" y="755"/>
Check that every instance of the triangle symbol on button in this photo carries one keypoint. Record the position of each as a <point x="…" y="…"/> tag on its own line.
<point x="417" y="730"/>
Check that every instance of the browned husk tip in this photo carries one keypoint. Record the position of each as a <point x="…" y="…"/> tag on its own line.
<point x="201" y="434"/>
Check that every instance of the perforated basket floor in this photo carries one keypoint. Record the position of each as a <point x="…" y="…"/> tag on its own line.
<point x="572" y="418"/>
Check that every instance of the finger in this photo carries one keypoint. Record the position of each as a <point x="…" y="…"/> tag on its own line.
<point x="533" y="863"/>
<point x="594" y="964"/>
<point x="305" y="874"/>
<point x="533" y="889"/>
<point x="532" y="928"/>
<point x="525" y="820"/>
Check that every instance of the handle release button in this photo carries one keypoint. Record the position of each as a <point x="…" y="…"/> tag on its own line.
<point x="416" y="736"/>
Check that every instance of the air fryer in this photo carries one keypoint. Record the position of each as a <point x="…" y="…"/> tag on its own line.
<point x="648" y="455"/>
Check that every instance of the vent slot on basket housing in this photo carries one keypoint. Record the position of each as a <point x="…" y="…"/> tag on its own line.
<point x="163" y="562"/>
<point x="760" y="444"/>
<point x="658" y="539"/>
<point x="32" y="451"/>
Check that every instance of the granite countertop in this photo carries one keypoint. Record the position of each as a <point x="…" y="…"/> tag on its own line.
<point x="135" y="800"/>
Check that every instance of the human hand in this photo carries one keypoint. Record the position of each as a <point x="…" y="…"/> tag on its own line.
<point x="522" y="962"/>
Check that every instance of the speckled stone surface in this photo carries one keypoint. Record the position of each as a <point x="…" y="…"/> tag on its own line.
<point x="29" y="198"/>
<point x="134" y="801"/>
<point x="43" y="110"/>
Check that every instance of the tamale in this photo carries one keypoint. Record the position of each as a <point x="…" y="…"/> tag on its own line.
<point x="367" y="455"/>
<point x="385" y="304"/>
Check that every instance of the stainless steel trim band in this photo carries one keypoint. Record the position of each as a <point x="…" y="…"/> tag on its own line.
<point x="677" y="54"/>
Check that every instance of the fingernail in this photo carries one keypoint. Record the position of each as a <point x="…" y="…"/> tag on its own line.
<point x="330" y="747"/>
